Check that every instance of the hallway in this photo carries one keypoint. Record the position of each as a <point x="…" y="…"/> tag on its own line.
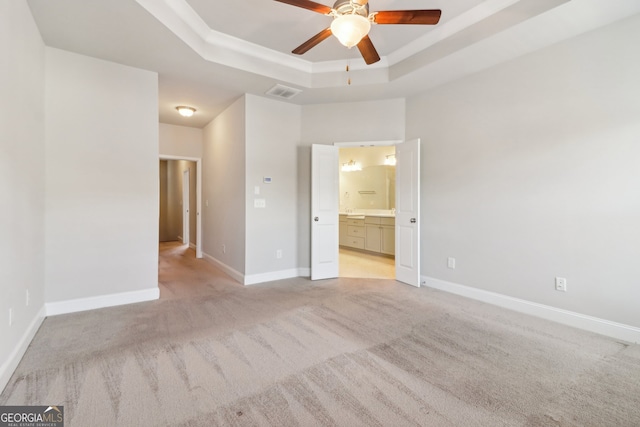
<point x="182" y="275"/>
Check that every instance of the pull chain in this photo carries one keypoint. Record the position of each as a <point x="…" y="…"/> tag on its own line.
<point x="348" y="75"/>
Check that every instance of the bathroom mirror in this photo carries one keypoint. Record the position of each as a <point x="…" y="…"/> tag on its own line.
<point x="371" y="187"/>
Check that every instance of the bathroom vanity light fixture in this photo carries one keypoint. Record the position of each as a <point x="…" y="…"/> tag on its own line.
<point x="390" y="160"/>
<point x="185" y="111"/>
<point x="351" y="166"/>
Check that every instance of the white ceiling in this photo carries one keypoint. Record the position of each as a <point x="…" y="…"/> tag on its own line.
<point x="208" y="53"/>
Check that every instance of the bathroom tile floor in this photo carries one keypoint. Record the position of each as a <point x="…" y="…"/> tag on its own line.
<point x="365" y="265"/>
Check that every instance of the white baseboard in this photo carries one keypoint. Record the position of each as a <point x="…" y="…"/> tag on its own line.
<point x="192" y="245"/>
<point x="254" y="279"/>
<point x="102" y="301"/>
<point x="577" y="320"/>
<point x="235" y="275"/>
<point x="10" y="365"/>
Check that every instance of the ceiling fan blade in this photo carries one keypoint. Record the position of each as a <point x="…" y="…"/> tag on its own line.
<point x="308" y="4"/>
<point x="312" y="42"/>
<point x="369" y="53"/>
<point x="419" y="17"/>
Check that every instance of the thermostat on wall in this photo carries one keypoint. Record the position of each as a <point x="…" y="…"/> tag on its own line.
<point x="266" y="180"/>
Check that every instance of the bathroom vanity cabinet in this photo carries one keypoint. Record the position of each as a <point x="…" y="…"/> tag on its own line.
<point x="371" y="233"/>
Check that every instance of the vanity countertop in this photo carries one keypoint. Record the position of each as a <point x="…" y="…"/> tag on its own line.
<point x="363" y="214"/>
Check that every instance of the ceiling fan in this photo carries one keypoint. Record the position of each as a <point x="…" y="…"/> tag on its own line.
<point x="352" y="22"/>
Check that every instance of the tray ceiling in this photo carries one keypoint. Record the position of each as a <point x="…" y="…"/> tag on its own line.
<point x="208" y="53"/>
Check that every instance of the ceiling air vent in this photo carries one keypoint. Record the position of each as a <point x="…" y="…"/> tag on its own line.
<point x="282" y="91"/>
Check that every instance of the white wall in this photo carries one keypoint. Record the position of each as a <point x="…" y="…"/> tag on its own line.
<point x="341" y="122"/>
<point x="272" y="138"/>
<point x="101" y="179"/>
<point x="353" y="121"/>
<point x="530" y="171"/>
<point x="21" y="182"/>
<point x="223" y="183"/>
<point x="180" y="141"/>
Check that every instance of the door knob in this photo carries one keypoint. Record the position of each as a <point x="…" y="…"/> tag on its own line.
<point x="413" y="220"/>
<point x="316" y="219"/>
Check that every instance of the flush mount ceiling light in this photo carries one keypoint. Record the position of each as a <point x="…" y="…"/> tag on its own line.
<point x="186" y="111"/>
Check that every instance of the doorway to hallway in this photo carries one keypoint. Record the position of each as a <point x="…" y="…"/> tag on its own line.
<point x="180" y="201"/>
<point x="177" y="220"/>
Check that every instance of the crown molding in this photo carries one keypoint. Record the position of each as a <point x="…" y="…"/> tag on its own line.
<point x="438" y="47"/>
<point x="180" y="18"/>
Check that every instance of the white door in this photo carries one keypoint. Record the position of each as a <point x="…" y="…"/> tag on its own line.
<point x="408" y="212"/>
<point x="324" y="212"/>
<point x="185" y="207"/>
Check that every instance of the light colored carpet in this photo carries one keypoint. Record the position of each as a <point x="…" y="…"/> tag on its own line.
<point x="346" y="352"/>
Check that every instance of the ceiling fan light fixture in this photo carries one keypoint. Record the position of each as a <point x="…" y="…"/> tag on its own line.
<point x="349" y="29"/>
<point x="186" y="111"/>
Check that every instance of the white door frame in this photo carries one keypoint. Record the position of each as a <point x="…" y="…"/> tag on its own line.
<point x="186" y="204"/>
<point x="198" y="161"/>
<point x="364" y="144"/>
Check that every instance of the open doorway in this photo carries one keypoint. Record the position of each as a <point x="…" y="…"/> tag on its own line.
<point x="179" y="221"/>
<point x="325" y="210"/>
<point x="176" y="197"/>
<point x="367" y="212"/>
<point x="180" y="225"/>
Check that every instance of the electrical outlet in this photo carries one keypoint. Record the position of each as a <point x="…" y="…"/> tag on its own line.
<point x="224" y="248"/>
<point x="279" y="253"/>
<point x="561" y="284"/>
<point x="451" y="263"/>
<point x="27" y="298"/>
